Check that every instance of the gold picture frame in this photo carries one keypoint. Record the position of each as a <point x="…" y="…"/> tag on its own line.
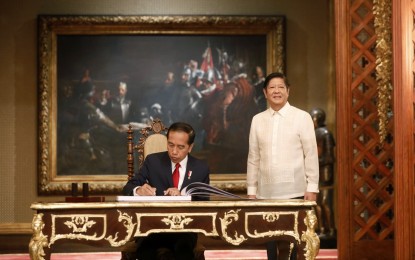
<point x="61" y="38"/>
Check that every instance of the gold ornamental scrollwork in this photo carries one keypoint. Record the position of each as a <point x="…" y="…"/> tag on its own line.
<point x="228" y="219"/>
<point x="38" y="240"/>
<point x="176" y="221"/>
<point x="310" y="237"/>
<point x="382" y="10"/>
<point x="127" y="221"/>
<point x="80" y="225"/>
<point x="273" y="217"/>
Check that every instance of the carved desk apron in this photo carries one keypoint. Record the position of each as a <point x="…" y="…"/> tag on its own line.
<point x="113" y="224"/>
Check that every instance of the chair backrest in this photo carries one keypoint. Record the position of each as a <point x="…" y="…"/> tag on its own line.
<point x="153" y="139"/>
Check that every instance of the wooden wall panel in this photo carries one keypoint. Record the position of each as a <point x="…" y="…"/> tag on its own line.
<point x="343" y="120"/>
<point x="403" y="82"/>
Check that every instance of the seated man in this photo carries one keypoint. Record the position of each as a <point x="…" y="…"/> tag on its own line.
<point x="166" y="174"/>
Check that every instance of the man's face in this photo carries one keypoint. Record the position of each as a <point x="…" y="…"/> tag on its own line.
<point x="276" y="93"/>
<point x="122" y="91"/>
<point x="177" y="146"/>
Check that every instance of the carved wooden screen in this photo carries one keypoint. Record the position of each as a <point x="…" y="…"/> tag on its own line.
<point x="365" y="165"/>
<point x="372" y="162"/>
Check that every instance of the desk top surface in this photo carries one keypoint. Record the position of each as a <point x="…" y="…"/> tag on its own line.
<point x="160" y="204"/>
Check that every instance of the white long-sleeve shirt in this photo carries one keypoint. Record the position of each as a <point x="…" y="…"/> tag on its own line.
<point x="283" y="158"/>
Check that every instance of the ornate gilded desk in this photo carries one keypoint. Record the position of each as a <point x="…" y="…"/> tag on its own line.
<point x="113" y="224"/>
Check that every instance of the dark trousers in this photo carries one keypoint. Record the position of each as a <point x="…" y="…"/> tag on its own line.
<point x="168" y="246"/>
<point x="279" y="250"/>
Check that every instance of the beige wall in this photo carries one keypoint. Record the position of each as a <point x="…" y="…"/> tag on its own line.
<point x="309" y="68"/>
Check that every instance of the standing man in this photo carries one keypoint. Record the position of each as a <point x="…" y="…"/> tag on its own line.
<point x="121" y="106"/>
<point x="282" y="158"/>
<point x="120" y="111"/>
<point x="157" y="178"/>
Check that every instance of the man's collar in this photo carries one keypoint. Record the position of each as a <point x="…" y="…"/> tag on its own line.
<point x="183" y="163"/>
<point x="283" y="111"/>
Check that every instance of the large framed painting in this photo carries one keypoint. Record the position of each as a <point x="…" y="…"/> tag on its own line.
<point x="100" y="74"/>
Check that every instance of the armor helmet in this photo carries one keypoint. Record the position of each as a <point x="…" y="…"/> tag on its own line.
<point x="318" y="115"/>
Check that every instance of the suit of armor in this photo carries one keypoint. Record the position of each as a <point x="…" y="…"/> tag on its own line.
<point x="325" y="146"/>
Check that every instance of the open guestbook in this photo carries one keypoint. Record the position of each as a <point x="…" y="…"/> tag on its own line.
<point x="198" y="189"/>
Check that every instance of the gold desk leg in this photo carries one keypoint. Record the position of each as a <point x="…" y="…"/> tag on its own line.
<point x="38" y="240"/>
<point x="310" y="237"/>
